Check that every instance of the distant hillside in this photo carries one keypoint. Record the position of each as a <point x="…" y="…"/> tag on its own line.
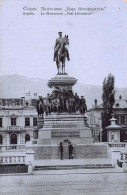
<point x="15" y="86"/>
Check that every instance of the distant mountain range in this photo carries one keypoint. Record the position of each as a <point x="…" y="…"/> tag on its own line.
<point x="16" y="86"/>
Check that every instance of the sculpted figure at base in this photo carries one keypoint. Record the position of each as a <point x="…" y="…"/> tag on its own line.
<point x="40" y="107"/>
<point x="61" y="52"/>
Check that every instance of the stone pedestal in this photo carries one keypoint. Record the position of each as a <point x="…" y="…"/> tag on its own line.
<point x="113" y="131"/>
<point x="30" y="168"/>
<point x="60" y="127"/>
<point x="66" y="126"/>
<point x="62" y="82"/>
<point x="124" y="166"/>
<point x="40" y="122"/>
<point x="29" y="156"/>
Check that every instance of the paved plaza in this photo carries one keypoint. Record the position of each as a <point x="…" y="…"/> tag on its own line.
<point x="110" y="181"/>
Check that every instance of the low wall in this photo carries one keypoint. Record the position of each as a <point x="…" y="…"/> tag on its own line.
<point x="79" y="151"/>
<point x="91" y="151"/>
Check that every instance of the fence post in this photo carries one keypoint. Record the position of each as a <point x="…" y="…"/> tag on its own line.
<point x="29" y="159"/>
<point x="124" y="166"/>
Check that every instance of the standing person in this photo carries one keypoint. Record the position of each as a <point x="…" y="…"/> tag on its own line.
<point x="70" y="148"/>
<point x="61" y="151"/>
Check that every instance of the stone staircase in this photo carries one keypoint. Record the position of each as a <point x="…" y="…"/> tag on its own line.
<point x="69" y="167"/>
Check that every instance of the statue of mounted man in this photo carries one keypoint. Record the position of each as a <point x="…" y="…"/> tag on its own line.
<point x="61" y="52"/>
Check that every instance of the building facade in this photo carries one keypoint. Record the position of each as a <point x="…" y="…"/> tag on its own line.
<point x="18" y="121"/>
<point x="120" y="113"/>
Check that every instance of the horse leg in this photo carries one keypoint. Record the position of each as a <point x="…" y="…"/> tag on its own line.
<point x="60" y="67"/>
<point x="57" y="62"/>
<point x="63" y="67"/>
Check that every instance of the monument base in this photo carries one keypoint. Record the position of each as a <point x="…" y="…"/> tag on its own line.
<point x="62" y="81"/>
<point x="80" y="151"/>
<point x="65" y="128"/>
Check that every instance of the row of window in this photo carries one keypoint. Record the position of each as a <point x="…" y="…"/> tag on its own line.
<point x="14" y="138"/>
<point x="27" y="122"/>
<point x="120" y="119"/>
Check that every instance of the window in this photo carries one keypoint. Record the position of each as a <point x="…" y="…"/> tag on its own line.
<point x="13" y="121"/>
<point x="35" y="121"/>
<point x="117" y="105"/>
<point x="0" y="122"/>
<point x="122" y="119"/>
<point x="27" y="122"/>
<point x="112" y="137"/>
<point x="13" y="138"/>
<point x="1" y="139"/>
<point x="117" y="117"/>
<point x="27" y="138"/>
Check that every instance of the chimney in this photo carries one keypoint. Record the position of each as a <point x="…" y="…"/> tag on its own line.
<point x="23" y="101"/>
<point x="120" y="97"/>
<point x="95" y="101"/>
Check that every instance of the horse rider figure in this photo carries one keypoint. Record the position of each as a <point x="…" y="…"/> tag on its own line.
<point x="59" y="43"/>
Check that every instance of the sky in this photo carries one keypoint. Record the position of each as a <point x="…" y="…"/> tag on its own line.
<point x="98" y="42"/>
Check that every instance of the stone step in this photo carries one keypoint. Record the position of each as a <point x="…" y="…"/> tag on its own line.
<point x="67" y="167"/>
<point x="63" y="122"/>
<point x="67" y="117"/>
<point x="66" y="128"/>
<point x="63" y="126"/>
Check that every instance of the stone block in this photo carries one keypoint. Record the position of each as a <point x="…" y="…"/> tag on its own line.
<point x="124" y="166"/>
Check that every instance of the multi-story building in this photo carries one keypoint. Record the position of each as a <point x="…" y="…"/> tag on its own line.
<point x="18" y="121"/>
<point x="120" y="113"/>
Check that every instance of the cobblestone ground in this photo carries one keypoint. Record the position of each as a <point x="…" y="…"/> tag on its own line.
<point x="65" y="183"/>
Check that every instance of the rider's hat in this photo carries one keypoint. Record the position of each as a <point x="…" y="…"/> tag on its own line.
<point x="59" y="32"/>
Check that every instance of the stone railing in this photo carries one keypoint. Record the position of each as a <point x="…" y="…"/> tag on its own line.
<point x="115" y="144"/>
<point x="12" y="147"/>
<point x="14" y="128"/>
<point x="123" y="160"/>
<point x="12" y="159"/>
<point x="118" y="145"/>
<point x="16" y="158"/>
<point x="123" y="155"/>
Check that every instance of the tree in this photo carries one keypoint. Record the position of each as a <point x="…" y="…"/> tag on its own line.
<point x="108" y="97"/>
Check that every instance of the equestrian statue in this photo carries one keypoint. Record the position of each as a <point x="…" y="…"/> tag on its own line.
<point x="61" y="52"/>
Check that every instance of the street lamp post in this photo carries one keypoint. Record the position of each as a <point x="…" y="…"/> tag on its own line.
<point x="100" y="125"/>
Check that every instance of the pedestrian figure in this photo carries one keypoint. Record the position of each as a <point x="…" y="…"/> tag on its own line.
<point x="70" y="148"/>
<point x="61" y="151"/>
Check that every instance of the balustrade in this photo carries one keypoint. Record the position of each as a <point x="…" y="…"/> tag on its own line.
<point x="14" y="128"/>
<point x="12" y="159"/>
<point x="12" y="147"/>
<point x="119" y="145"/>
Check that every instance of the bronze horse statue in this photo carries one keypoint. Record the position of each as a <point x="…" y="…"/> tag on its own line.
<point x="62" y="54"/>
